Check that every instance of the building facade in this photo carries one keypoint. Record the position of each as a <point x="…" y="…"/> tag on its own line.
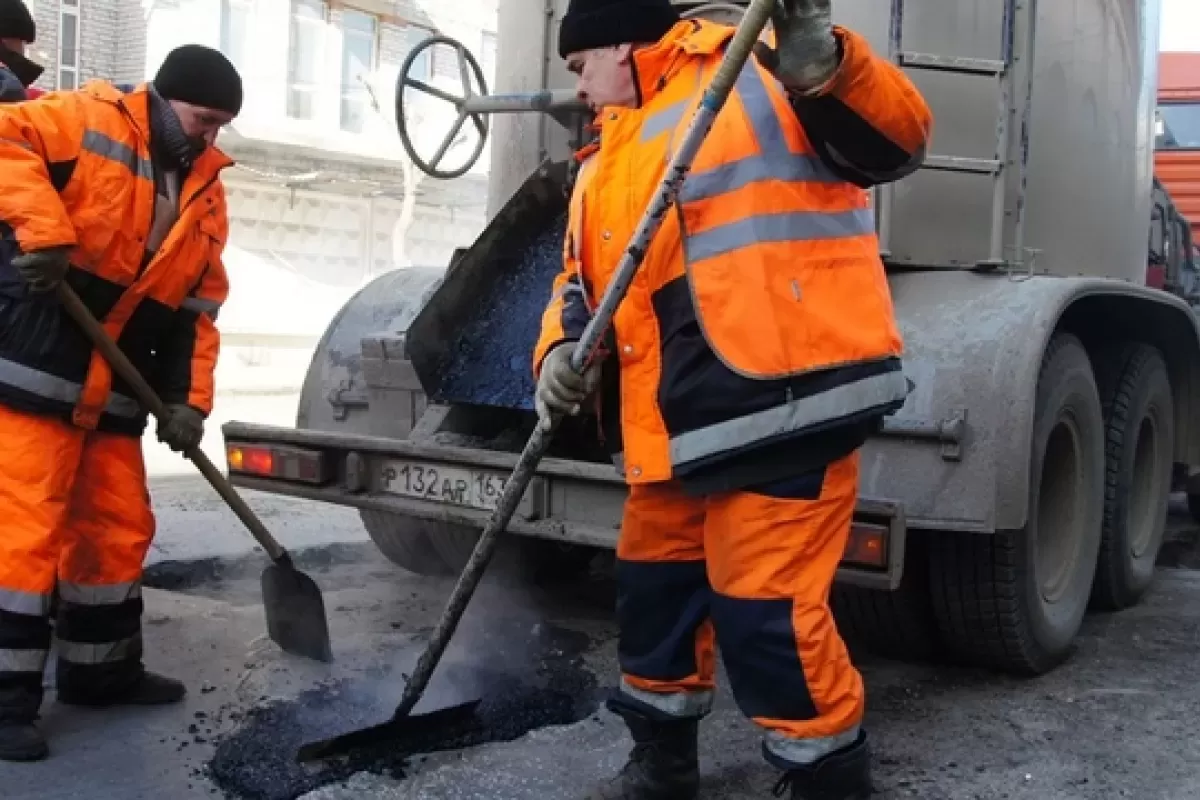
<point x="323" y="197"/>
<point x="322" y="186"/>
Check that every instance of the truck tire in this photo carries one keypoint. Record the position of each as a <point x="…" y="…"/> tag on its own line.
<point x="530" y="560"/>
<point x="897" y="624"/>
<point x="406" y="542"/>
<point x="1014" y="600"/>
<point x="1139" y="416"/>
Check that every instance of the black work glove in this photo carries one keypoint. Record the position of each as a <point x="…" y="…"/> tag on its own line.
<point x="806" y="53"/>
<point x="183" y="429"/>
<point x="43" y="269"/>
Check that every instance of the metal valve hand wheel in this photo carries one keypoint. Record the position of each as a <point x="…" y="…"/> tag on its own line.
<point x="468" y="68"/>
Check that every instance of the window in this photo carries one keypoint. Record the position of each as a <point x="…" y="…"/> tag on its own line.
<point x="360" y="36"/>
<point x="422" y="68"/>
<point x="306" y="48"/>
<point x="487" y="58"/>
<point x="68" y="44"/>
<point x="235" y="31"/>
<point x="1177" y="127"/>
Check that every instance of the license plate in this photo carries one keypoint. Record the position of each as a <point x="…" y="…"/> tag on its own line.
<point x="460" y="486"/>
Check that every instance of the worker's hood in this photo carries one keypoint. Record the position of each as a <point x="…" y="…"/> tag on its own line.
<point x="655" y="65"/>
<point x="26" y="70"/>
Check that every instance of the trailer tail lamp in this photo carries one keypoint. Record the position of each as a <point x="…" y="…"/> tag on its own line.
<point x="867" y="546"/>
<point x="275" y="461"/>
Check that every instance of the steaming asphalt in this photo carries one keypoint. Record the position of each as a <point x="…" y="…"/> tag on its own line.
<point x="1117" y="721"/>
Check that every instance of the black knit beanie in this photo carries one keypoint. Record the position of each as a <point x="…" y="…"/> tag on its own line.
<point x="201" y="76"/>
<point x="590" y="24"/>
<point x="16" y="22"/>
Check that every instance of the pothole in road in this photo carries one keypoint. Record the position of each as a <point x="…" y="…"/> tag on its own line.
<point x="540" y="680"/>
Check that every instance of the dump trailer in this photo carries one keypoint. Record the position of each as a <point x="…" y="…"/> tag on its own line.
<point x="1027" y="476"/>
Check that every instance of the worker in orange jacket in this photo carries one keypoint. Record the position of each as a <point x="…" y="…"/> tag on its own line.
<point x="754" y="353"/>
<point x="17" y="71"/>
<point x="118" y="194"/>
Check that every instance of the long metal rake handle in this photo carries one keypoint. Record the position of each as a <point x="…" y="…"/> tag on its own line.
<point x="150" y="399"/>
<point x="736" y="55"/>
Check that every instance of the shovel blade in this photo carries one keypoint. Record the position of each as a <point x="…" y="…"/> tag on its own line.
<point x="296" y="613"/>
<point x="397" y="731"/>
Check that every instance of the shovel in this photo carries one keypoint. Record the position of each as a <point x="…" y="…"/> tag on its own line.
<point x="294" y="606"/>
<point x="403" y="725"/>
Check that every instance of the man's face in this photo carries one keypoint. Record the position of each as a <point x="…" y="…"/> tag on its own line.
<point x="604" y="76"/>
<point x="201" y="125"/>
<point x="15" y="45"/>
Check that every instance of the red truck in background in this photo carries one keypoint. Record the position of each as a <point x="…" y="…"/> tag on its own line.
<point x="1174" y="263"/>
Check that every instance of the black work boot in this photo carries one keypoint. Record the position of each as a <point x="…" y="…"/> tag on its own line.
<point x="21" y="741"/>
<point x="149" y="689"/>
<point x="663" y="764"/>
<point x="842" y="775"/>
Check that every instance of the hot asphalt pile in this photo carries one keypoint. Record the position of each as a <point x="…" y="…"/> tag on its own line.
<point x="491" y="361"/>
<point x="551" y="686"/>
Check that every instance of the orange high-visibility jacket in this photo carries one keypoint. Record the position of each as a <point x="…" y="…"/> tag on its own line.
<point x="77" y="171"/>
<point x="761" y="313"/>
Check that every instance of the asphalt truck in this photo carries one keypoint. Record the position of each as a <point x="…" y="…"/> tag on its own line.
<point x="1056" y="395"/>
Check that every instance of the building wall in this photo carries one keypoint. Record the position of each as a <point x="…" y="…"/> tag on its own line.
<point x="332" y="205"/>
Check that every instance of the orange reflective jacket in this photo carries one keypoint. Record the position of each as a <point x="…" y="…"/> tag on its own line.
<point x="77" y="171"/>
<point x="761" y="313"/>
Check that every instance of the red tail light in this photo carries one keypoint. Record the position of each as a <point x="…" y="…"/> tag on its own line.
<point x="867" y="546"/>
<point x="270" y="461"/>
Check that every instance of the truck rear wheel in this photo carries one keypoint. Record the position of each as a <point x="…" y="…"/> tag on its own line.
<point x="537" y="561"/>
<point x="406" y="541"/>
<point x="441" y="549"/>
<point x="1015" y="599"/>
<point x="897" y="624"/>
<point x="1139" y="414"/>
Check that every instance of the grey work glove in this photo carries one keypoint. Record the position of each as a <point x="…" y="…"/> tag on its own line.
<point x="43" y="269"/>
<point x="806" y="51"/>
<point x="183" y="428"/>
<point x="560" y="389"/>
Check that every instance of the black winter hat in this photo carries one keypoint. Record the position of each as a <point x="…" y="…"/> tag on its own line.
<point x="602" y="23"/>
<point x="201" y="76"/>
<point x="16" y="22"/>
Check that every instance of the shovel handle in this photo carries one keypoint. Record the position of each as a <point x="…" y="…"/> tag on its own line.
<point x="147" y="397"/>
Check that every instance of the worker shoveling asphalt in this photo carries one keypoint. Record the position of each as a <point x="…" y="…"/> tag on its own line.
<point x="130" y="214"/>
<point x="403" y="724"/>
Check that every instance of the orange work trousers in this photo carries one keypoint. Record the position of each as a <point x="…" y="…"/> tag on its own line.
<point x="75" y="519"/>
<point x="749" y="571"/>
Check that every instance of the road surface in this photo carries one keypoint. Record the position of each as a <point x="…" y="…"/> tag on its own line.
<point x="1117" y="721"/>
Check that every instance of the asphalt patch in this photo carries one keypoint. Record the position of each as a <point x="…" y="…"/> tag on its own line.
<point x="490" y="364"/>
<point x="536" y="682"/>
<point x="210" y="577"/>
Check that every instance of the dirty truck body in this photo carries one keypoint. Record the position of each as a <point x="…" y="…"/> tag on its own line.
<point x="1026" y="477"/>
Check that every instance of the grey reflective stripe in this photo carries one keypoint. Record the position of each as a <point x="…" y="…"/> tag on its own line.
<point x="106" y="147"/>
<point x="29" y="603"/>
<point x="86" y="653"/>
<point x="200" y="305"/>
<point x="807" y="751"/>
<point x="52" y="387"/>
<point x="738" y="174"/>
<point x="81" y="595"/>
<point x="684" y="705"/>
<point x="759" y="110"/>
<point x="22" y="660"/>
<point x="569" y="287"/>
<point x="18" y="142"/>
<point x="838" y="403"/>
<point x="794" y="227"/>
<point x="665" y="120"/>
<point x="775" y="160"/>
